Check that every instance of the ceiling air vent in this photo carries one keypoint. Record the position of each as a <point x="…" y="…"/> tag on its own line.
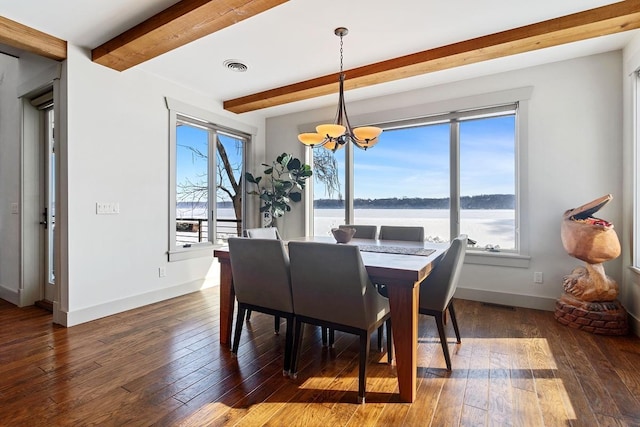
<point x="235" y="65"/>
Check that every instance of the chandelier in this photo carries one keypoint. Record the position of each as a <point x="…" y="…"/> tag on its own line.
<point x="336" y="135"/>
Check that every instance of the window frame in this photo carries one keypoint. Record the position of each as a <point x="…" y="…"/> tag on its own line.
<point x="417" y="114"/>
<point x="635" y="90"/>
<point x="181" y="112"/>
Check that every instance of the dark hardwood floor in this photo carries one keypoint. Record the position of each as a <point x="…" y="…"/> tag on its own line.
<point x="162" y="365"/>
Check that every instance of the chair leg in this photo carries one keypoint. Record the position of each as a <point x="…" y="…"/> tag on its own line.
<point x="288" y="346"/>
<point x="443" y="339"/>
<point x="365" y="345"/>
<point x="248" y="315"/>
<point x="380" y="338"/>
<point x="293" y="370"/>
<point x="389" y="341"/>
<point x="332" y="337"/>
<point x="324" y="336"/>
<point x="454" y="321"/>
<point x="236" y="336"/>
<point x="276" y="325"/>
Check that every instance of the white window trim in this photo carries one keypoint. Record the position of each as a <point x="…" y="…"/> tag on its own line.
<point x="635" y="110"/>
<point x="176" y="108"/>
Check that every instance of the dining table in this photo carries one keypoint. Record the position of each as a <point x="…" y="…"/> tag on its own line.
<point x="400" y="266"/>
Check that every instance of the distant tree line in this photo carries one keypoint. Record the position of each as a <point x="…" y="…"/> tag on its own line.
<point x="483" y="201"/>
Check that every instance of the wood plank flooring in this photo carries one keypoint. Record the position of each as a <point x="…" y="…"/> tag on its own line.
<point x="162" y="365"/>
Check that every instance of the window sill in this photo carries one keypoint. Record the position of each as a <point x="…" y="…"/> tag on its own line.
<point x="500" y="259"/>
<point x="635" y="270"/>
<point x="200" y="251"/>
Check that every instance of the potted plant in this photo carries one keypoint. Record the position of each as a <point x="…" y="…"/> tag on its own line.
<point x="284" y="180"/>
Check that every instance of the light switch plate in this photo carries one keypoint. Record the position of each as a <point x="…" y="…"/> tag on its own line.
<point x="107" y="208"/>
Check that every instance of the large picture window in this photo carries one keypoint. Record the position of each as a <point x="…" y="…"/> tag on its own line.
<point x="451" y="173"/>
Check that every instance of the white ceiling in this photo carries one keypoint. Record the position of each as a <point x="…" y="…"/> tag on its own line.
<point x="295" y="41"/>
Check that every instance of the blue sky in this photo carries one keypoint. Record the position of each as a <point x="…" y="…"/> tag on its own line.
<point x="410" y="162"/>
<point x="414" y="162"/>
<point x="193" y="166"/>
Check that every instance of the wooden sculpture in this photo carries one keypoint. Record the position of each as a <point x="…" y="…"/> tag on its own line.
<point x="589" y="301"/>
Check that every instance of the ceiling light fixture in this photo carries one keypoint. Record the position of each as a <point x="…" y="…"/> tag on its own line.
<point x="336" y="135"/>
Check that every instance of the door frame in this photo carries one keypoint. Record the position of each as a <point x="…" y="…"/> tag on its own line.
<point x="33" y="154"/>
<point x="31" y="196"/>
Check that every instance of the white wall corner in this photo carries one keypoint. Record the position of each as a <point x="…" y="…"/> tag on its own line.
<point x="634" y="325"/>
<point x="10" y="295"/>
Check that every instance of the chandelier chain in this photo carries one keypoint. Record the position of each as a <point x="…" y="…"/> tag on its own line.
<point x="341" y="43"/>
<point x="339" y="133"/>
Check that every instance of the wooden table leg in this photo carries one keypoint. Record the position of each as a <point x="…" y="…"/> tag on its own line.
<point x="403" y="301"/>
<point x="227" y="301"/>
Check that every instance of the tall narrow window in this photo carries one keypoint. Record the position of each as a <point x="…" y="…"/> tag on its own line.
<point x="329" y="190"/>
<point x="193" y="210"/>
<point x="487" y="181"/>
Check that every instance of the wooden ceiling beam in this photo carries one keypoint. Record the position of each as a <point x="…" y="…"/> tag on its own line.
<point x="606" y="20"/>
<point x="31" y="40"/>
<point x="182" y="23"/>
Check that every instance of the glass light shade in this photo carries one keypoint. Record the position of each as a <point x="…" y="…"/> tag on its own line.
<point x="310" y="138"/>
<point x="333" y="131"/>
<point x="331" y="145"/>
<point x="367" y="133"/>
<point x="365" y="144"/>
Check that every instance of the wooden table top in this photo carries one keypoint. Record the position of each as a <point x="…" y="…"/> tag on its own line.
<point x="388" y="268"/>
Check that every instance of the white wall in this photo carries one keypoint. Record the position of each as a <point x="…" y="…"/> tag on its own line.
<point x="117" y="151"/>
<point x="574" y="156"/>
<point x="9" y="179"/>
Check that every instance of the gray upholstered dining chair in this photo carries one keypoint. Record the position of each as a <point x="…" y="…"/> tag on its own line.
<point x="363" y="231"/>
<point x="405" y="233"/>
<point x="262" y="233"/>
<point x="436" y="291"/>
<point x="340" y="297"/>
<point x="261" y="280"/>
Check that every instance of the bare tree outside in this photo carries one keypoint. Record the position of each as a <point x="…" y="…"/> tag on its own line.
<point x="228" y="182"/>
<point x="194" y="189"/>
<point x="325" y="170"/>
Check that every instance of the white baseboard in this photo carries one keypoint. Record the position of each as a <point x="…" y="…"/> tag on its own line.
<point x="515" y="300"/>
<point x="10" y="295"/>
<point x="526" y="301"/>
<point x="88" y="314"/>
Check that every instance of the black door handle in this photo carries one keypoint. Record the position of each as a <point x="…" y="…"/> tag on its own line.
<point x="44" y="220"/>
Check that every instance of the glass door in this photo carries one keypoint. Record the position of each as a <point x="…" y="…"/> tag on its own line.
<point x="49" y="213"/>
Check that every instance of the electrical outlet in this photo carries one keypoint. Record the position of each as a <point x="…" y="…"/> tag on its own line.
<point x="537" y="277"/>
<point x="162" y="272"/>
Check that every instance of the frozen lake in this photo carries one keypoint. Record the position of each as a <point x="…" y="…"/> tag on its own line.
<point x="486" y="226"/>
